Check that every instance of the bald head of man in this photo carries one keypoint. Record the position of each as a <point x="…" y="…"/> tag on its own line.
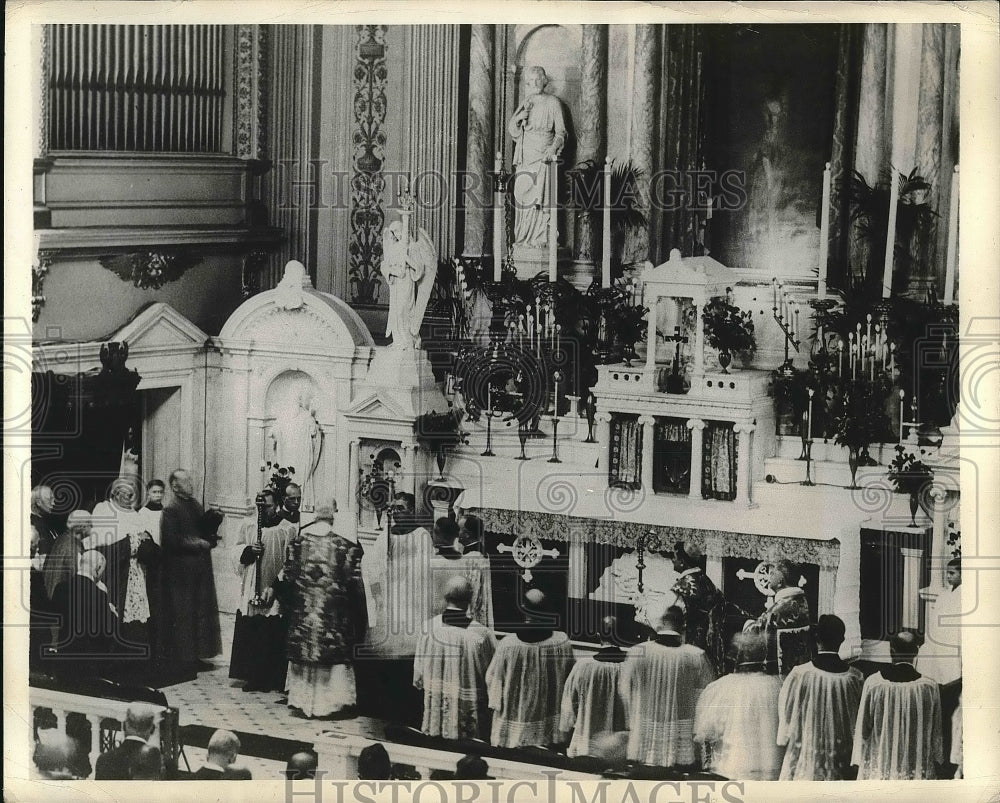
<point x="223" y="748"/>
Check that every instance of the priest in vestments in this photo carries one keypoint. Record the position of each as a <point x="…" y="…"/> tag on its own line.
<point x="818" y="709"/>
<point x="736" y="720"/>
<point x="327" y="617"/>
<point x="398" y="580"/>
<point x="662" y="680"/>
<point x="592" y="706"/>
<point x="786" y="623"/>
<point x="119" y="534"/>
<point x="898" y="732"/>
<point x="526" y="678"/>
<point x="260" y="655"/>
<point x="450" y="668"/>
<point x="190" y="629"/>
<point x="703" y="604"/>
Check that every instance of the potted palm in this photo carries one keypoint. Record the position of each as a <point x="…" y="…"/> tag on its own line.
<point x="729" y="330"/>
<point x="911" y="476"/>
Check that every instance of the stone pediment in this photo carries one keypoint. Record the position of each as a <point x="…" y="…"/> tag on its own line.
<point x="297" y="316"/>
<point x="376" y="407"/>
<point x="160" y="326"/>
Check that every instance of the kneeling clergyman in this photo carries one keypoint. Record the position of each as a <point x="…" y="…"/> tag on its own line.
<point x="259" y="641"/>
<point x="325" y="598"/>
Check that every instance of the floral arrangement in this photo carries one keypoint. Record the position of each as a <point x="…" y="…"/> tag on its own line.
<point x="954" y="539"/>
<point x="907" y="474"/>
<point x="859" y="416"/>
<point x="728" y="328"/>
<point x="439" y="433"/>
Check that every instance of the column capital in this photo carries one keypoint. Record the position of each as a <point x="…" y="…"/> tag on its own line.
<point x="603" y="418"/>
<point x="647" y="420"/>
<point x="747" y="428"/>
<point x="938" y="492"/>
<point x="695" y="423"/>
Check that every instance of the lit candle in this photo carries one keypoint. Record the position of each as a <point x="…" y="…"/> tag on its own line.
<point x="520" y="331"/>
<point x="809" y="417"/>
<point x="902" y="393"/>
<point x="553" y="233"/>
<point x="824" y="233"/>
<point x="555" y="394"/>
<point x="774" y="294"/>
<point x="498" y="226"/>
<point x="891" y="229"/>
<point x="531" y="328"/>
<point x="869" y="327"/>
<point x="796" y="321"/>
<point x="892" y="359"/>
<point x="951" y="262"/>
<point x="558" y="329"/>
<point x="606" y="231"/>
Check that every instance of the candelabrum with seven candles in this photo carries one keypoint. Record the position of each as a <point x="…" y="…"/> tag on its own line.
<point x="784" y="321"/>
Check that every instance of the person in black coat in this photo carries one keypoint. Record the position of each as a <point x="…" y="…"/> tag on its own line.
<point x="89" y="625"/>
<point x="223" y="748"/>
<point x="117" y="763"/>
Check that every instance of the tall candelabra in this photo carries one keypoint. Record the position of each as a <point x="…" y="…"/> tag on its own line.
<point x="783" y="317"/>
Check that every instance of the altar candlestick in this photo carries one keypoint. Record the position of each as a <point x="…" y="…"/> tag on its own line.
<point x="774" y="293"/>
<point x="498" y="226"/>
<point x="869" y="327"/>
<point x="824" y="233"/>
<point x="891" y="229"/>
<point x="555" y="337"/>
<point x="520" y="331"/>
<point x="902" y="394"/>
<point x="892" y="359"/>
<point x="796" y="322"/>
<point x="555" y="393"/>
<point x="871" y="368"/>
<point x="531" y="328"/>
<point x="606" y="229"/>
<point x="553" y="234"/>
<point x="913" y="407"/>
<point x="819" y="335"/>
<point x="950" y="259"/>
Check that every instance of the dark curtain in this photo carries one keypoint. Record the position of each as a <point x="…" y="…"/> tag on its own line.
<point x="718" y="465"/>
<point x="842" y="152"/>
<point x="681" y="145"/>
<point x="625" y="464"/>
<point x="671" y="456"/>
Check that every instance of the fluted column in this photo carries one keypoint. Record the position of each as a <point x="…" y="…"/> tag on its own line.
<point x="696" y="425"/>
<point x="430" y="118"/>
<point x="651" y="335"/>
<point x="647" y="422"/>
<point x="352" y="475"/>
<point x="644" y="121"/>
<point x="744" y="482"/>
<point x="591" y="144"/>
<point x="479" y="152"/>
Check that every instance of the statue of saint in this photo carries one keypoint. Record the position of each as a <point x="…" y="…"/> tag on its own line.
<point x="297" y="440"/>
<point x="539" y="133"/>
<point x="409" y="272"/>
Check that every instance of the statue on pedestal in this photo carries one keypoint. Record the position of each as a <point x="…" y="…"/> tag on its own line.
<point x="296" y="441"/>
<point x="539" y="133"/>
<point x="409" y="267"/>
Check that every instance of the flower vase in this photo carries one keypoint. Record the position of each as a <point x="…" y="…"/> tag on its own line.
<point x="853" y="462"/>
<point x="914" y="507"/>
<point x="440" y="457"/>
<point x="724" y="359"/>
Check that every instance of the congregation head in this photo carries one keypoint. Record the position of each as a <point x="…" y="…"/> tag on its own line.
<point x="327" y="512"/>
<point x="42" y="500"/>
<point x="785" y="574"/>
<point x="752" y="649"/>
<point x="181" y="483"/>
<point x="92" y="564"/>
<point x="147" y="764"/>
<point x="374" y="763"/>
<point x="53" y="754"/>
<point x="903" y="646"/>
<point x="471" y="768"/>
<point x="293" y="496"/>
<point x="953" y="572"/>
<point x="458" y="593"/>
<point x="79" y="523"/>
<point x="829" y="632"/>
<point x="686" y="555"/>
<point x="446" y="532"/>
<point x="155" y="490"/>
<point x="223" y="748"/>
<point x="140" y="720"/>
<point x="405" y="502"/>
<point x="302" y="766"/>
<point x="122" y="493"/>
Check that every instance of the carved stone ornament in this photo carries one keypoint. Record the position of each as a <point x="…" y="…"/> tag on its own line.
<point x="39" y="269"/>
<point x="149" y="269"/>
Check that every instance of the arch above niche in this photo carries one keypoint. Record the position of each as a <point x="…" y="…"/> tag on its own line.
<point x="297" y="316"/>
<point x="556" y="48"/>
